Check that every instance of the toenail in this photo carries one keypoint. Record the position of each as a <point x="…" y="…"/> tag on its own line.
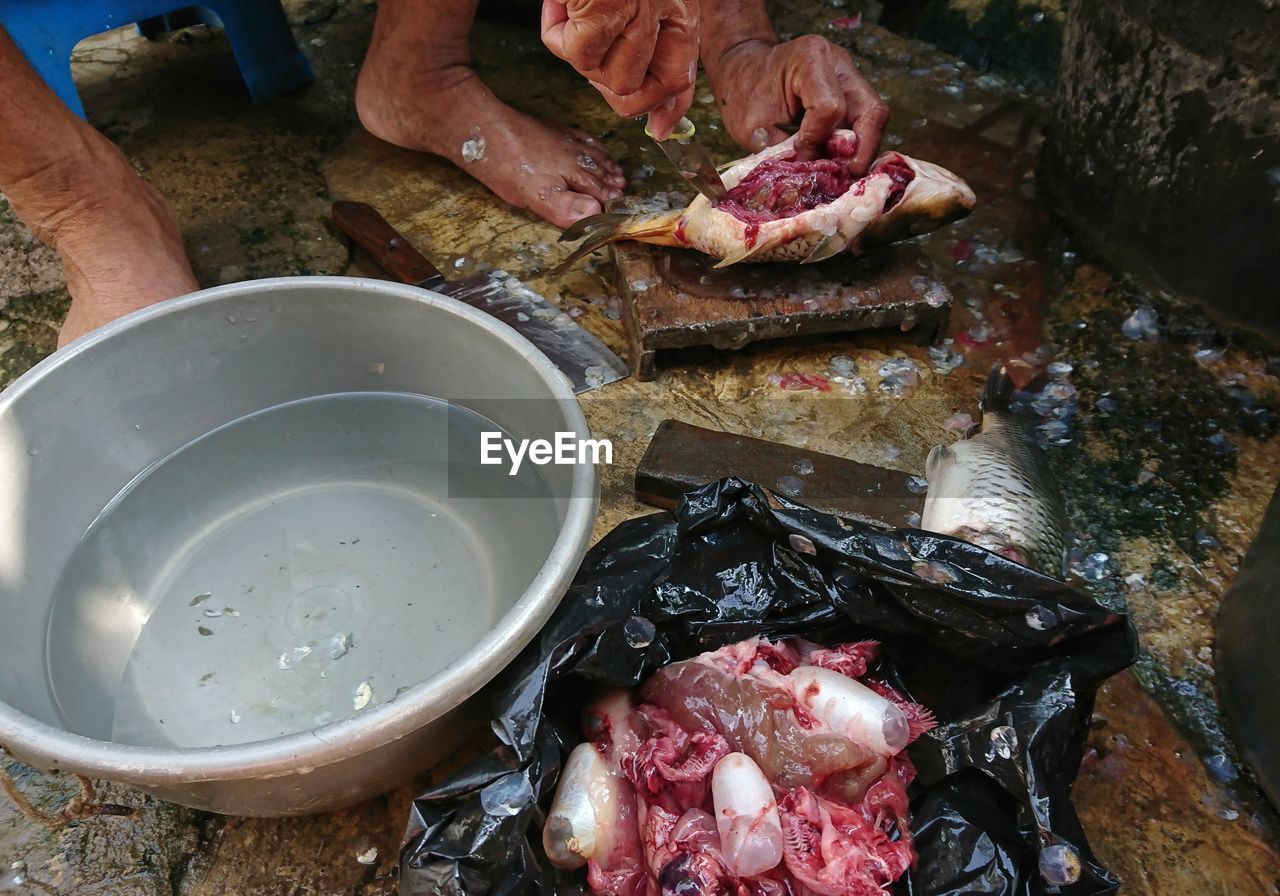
<point x="584" y="206"/>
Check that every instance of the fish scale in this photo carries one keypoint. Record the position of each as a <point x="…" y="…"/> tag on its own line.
<point x="994" y="490"/>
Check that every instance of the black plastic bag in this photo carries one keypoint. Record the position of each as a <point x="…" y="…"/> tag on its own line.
<point x="1008" y="660"/>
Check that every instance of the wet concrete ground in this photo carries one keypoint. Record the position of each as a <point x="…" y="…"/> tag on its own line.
<point x="1160" y="430"/>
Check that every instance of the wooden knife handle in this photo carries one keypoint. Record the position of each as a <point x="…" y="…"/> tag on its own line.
<point x="683" y="457"/>
<point x="371" y="232"/>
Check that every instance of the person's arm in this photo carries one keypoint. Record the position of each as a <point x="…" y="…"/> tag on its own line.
<point x="642" y="55"/>
<point x="761" y="83"/>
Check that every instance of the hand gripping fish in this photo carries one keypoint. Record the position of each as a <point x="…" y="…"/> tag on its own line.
<point x="781" y="209"/>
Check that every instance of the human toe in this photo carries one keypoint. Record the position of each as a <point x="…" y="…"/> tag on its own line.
<point x="565" y="208"/>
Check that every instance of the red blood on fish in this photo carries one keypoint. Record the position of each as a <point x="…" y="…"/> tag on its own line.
<point x="783" y="188"/>
<point x="804" y="382"/>
<point x="836" y="824"/>
<point x="847" y="23"/>
<point x="901" y="174"/>
<point x="786" y="187"/>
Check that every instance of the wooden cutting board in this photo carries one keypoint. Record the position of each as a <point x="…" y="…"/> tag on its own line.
<point x="675" y="298"/>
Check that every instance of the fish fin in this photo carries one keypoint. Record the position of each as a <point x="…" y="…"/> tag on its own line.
<point x="940" y="457"/>
<point x="592" y="225"/>
<point x="830" y="245"/>
<point x="597" y="231"/>
<point x="998" y="392"/>
<point x="744" y="255"/>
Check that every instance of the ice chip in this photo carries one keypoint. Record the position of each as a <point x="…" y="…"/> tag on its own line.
<point x="363" y="696"/>
<point x="639" y="632"/>
<point x="936" y="296"/>
<point x="843" y="365"/>
<point x="292" y="657"/>
<point x="595" y="375"/>
<point x="335" y="646"/>
<point x="1221" y="443"/>
<point x="1094" y="567"/>
<point x="1142" y="325"/>
<point x="1221" y="769"/>
<point x="917" y="485"/>
<point x="368" y="857"/>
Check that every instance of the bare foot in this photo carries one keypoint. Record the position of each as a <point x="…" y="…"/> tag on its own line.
<point x="120" y="245"/>
<point x="559" y="175"/>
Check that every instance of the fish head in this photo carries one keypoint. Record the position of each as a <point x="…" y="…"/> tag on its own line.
<point x="932" y="197"/>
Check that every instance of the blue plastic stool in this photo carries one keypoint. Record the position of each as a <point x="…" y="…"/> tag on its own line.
<point x="46" y="31"/>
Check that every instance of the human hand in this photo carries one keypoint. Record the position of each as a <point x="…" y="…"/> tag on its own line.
<point x="642" y="55"/>
<point x="760" y="85"/>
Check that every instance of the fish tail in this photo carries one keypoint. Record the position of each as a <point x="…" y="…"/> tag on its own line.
<point x="598" y="231"/>
<point x="998" y="394"/>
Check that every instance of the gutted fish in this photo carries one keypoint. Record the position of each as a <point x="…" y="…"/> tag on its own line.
<point x="781" y="209"/>
<point x="763" y="767"/>
<point x="994" y="488"/>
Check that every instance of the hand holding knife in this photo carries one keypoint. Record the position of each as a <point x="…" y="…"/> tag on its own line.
<point x="692" y="160"/>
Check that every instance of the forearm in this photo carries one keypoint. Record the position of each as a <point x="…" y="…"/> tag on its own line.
<point x="49" y="157"/>
<point x="727" y="24"/>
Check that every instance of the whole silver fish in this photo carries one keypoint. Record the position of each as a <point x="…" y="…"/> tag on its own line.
<point x="994" y="489"/>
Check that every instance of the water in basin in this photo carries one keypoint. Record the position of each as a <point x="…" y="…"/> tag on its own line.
<point x="291" y="568"/>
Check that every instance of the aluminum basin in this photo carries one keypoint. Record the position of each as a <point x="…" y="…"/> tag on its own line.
<point x="249" y="559"/>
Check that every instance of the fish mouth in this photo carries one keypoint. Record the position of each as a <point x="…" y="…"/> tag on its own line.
<point x="784" y="186"/>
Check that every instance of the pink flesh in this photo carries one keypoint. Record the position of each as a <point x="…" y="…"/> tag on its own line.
<point x="843" y="810"/>
<point x="784" y="188"/>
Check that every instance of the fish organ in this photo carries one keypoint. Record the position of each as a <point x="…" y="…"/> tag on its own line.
<point x="761" y="768"/>
<point x="780" y="208"/>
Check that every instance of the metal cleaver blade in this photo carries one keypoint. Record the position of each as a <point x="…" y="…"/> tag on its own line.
<point x="586" y="361"/>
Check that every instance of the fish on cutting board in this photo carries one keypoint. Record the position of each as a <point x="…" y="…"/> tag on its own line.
<point x="780" y="209"/>
<point x="994" y="488"/>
